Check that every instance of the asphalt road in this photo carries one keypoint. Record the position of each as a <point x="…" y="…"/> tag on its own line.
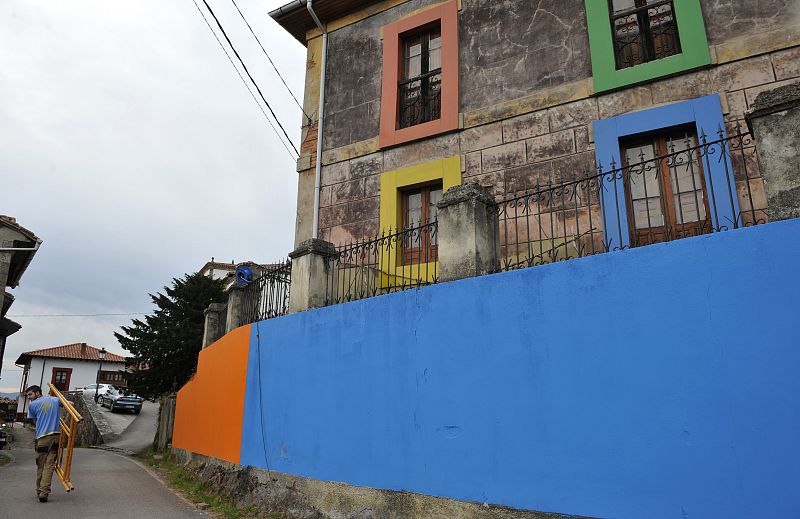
<point x="117" y="421"/>
<point x="106" y="485"/>
<point x="139" y="433"/>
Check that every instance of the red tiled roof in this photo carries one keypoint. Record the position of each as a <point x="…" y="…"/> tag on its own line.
<point x="10" y="221"/>
<point x="231" y="267"/>
<point x="217" y="265"/>
<point x="77" y="351"/>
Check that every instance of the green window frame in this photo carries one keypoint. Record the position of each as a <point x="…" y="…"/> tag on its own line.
<point x="691" y="31"/>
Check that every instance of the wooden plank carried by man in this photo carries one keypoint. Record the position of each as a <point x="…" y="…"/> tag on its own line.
<point x="66" y="445"/>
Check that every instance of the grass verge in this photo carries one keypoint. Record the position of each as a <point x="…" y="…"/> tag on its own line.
<point x="5" y="458"/>
<point x="183" y="481"/>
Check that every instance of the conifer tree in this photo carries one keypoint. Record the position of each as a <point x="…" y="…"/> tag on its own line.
<point x="164" y="345"/>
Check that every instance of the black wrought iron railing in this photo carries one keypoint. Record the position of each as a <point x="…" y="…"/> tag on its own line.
<point x="267" y="296"/>
<point x="643" y="33"/>
<point x="420" y="99"/>
<point x="707" y="187"/>
<point x="392" y="261"/>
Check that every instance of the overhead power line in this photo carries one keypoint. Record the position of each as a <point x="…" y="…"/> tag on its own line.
<point x="74" y="315"/>
<point x="247" y="86"/>
<point x="247" y="71"/>
<point x="270" y="60"/>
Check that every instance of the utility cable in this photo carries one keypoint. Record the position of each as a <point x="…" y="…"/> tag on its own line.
<point x="247" y="71"/>
<point x="243" y="79"/>
<point x="270" y="61"/>
<point x="74" y="315"/>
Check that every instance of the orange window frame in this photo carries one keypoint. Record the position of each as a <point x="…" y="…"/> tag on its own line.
<point x="447" y="16"/>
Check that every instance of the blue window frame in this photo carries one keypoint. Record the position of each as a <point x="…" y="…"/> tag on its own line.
<point x="704" y="114"/>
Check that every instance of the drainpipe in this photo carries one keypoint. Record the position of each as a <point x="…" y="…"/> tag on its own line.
<point x="41" y="379"/>
<point x="320" y="118"/>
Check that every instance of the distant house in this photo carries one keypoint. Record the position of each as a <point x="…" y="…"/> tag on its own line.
<point x="17" y="248"/>
<point x="69" y="368"/>
<point x="227" y="271"/>
<point x="216" y="270"/>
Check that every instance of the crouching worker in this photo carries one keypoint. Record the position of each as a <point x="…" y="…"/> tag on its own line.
<point x="46" y="412"/>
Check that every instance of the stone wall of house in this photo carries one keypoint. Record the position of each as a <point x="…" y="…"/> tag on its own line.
<point x="527" y="100"/>
<point x="733" y="19"/>
<point x="514" y="154"/>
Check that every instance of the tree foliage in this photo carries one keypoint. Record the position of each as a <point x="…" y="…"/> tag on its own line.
<point x="164" y="345"/>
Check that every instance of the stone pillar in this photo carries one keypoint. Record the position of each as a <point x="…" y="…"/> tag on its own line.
<point x="468" y="235"/>
<point x="216" y="315"/>
<point x="235" y="314"/>
<point x="774" y="121"/>
<point x="310" y="268"/>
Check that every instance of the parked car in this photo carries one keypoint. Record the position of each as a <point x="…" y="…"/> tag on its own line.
<point x="102" y="389"/>
<point x="117" y="399"/>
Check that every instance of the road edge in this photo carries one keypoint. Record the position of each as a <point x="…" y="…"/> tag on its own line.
<point x="158" y="478"/>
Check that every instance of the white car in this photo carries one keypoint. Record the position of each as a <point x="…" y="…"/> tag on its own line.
<point x="101" y="389"/>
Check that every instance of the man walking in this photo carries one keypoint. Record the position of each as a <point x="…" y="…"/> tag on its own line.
<point x="46" y="412"/>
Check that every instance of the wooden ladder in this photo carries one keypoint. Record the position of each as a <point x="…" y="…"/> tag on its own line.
<point x="66" y="443"/>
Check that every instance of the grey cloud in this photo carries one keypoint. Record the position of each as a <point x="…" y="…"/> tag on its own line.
<point x="131" y="148"/>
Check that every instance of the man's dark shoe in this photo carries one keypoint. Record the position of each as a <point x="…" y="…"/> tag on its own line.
<point x="42" y="499"/>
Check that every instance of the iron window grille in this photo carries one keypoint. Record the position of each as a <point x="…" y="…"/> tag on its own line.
<point x="643" y="30"/>
<point x="662" y="190"/>
<point x="420" y="87"/>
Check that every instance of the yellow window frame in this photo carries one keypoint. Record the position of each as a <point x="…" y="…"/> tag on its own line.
<point x="392" y="184"/>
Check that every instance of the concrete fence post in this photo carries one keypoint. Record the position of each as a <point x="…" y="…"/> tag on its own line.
<point x="235" y="307"/>
<point x="215" y="324"/>
<point x="468" y="234"/>
<point x="774" y="121"/>
<point x="166" y="422"/>
<point x="310" y="267"/>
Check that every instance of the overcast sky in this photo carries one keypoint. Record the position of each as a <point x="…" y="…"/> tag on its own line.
<point x="131" y="148"/>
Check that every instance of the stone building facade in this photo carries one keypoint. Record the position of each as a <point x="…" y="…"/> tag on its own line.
<point x="535" y="83"/>
<point x="18" y="246"/>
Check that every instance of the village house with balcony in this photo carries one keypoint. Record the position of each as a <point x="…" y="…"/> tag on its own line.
<point x="522" y="97"/>
<point x="545" y="266"/>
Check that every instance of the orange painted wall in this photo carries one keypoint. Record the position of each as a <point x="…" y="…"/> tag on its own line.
<point x="210" y="408"/>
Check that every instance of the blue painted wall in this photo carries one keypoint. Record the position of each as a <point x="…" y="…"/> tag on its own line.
<point x="659" y="382"/>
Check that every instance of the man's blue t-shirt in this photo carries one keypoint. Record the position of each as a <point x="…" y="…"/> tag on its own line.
<point x="45" y="410"/>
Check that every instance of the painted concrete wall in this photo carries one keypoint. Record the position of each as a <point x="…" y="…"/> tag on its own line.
<point x="659" y="382"/>
<point x="209" y="408"/>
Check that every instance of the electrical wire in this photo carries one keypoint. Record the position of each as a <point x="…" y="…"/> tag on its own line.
<point x="247" y="71"/>
<point x="243" y="80"/>
<point x="270" y="61"/>
<point x="74" y="315"/>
